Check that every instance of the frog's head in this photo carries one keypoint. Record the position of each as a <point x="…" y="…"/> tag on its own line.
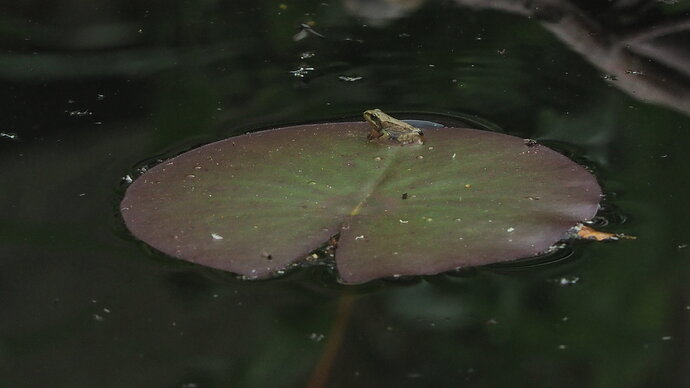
<point x="374" y="117"/>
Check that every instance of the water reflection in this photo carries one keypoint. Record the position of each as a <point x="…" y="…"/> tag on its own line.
<point x="380" y="12"/>
<point x="639" y="49"/>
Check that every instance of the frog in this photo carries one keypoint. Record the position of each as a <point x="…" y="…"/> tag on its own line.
<point x="386" y="129"/>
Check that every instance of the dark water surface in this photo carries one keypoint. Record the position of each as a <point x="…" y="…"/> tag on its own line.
<point x="90" y="91"/>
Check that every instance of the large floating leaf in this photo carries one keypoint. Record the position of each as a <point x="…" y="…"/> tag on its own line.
<point x="257" y="203"/>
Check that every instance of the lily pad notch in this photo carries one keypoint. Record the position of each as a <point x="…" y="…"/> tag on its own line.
<point x="258" y="203"/>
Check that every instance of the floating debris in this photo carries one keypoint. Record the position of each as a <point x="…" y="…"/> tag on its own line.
<point x="316" y="337"/>
<point x="587" y="233"/>
<point x="302" y="71"/>
<point x="216" y="236"/>
<point x="567" y="281"/>
<point x="350" y="78"/>
<point x="79" y="113"/>
<point x="307" y="55"/>
<point x="9" y="135"/>
<point x="303" y="31"/>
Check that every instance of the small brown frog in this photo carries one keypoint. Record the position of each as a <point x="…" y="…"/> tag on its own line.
<point x="386" y="129"/>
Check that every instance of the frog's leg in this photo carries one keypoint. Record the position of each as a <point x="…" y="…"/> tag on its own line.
<point x="378" y="137"/>
<point x="411" y="138"/>
<point x="374" y="134"/>
<point x="384" y="137"/>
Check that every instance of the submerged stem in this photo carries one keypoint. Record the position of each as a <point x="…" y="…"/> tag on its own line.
<point x="322" y="371"/>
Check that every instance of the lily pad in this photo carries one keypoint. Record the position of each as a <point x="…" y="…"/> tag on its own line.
<point x="256" y="204"/>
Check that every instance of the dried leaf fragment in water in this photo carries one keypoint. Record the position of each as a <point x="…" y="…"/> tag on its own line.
<point x="586" y="233"/>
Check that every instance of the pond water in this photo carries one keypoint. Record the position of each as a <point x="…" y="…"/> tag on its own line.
<point x="91" y="92"/>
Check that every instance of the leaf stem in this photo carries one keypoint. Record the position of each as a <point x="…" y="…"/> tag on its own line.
<point x="322" y="371"/>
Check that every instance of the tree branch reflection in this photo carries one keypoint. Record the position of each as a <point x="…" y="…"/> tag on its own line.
<point x="649" y="62"/>
<point x="644" y="54"/>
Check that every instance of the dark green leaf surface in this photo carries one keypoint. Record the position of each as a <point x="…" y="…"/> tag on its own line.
<point x="257" y="203"/>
